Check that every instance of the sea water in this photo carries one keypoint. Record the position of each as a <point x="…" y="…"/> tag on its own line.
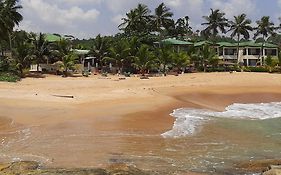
<point x="212" y="141"/>
<point x="200" y="141"/>
<point x="190" y="120"/>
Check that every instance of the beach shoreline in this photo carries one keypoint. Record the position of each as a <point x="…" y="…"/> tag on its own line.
<point x="102" y="107"/>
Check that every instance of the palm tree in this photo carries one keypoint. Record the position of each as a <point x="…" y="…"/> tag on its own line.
<point x="207" y="56"/>
<point x="144" y="59"/>
<point x="215" y="22"/>
<point x="40" y="48"/>
<point x="162" y="17"/>
<point x="137" y="21"/>
<point x="240" y="26"/>
<point x="9" y="17"/>
<point x="68" y="62"/>
<point x="164" y="57"/>
<point x="100" y="48"/>
<point x="265" y="28"/>
<point x="180" y="60"/>
<point x="22" y="51"/>
<point x="119" y="53"/>
<point x="182" y="26"/>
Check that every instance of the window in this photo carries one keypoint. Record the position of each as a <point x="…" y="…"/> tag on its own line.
<point x="271" y="52"/>
<point x="254" y="51"/>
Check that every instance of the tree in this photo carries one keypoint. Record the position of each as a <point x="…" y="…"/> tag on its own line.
<point x="240" y="26"/>
<point x="182" y="26"/>
<point x="137" y="21"/>
<point x="215" y="22"/>
<point x="164" y="57"/>
<point x="40" y="48"/>
<point x="68" y="62"/>
<point x="265" y="28"/>
<point x="162" y="18"/>
<point x="99" y="48"/>
<point x="119" y="53"/>
<point x="180" y="60"/>
<point x="207" y="56"/>
<point x="9" y="18"/>
<point x="22" y="51"/>
<point x="144" y="59"/>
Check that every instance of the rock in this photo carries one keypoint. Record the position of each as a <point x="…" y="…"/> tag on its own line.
<point x="274" y="170"/>
<point x="258" y="165"/>
<point x="33" y="168"/>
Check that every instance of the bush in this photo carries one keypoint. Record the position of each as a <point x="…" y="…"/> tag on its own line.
<point x="256" y="69"/>
<point x="9" y="77"/>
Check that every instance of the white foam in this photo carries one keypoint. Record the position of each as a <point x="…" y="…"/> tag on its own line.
<point x="188" y="120"/>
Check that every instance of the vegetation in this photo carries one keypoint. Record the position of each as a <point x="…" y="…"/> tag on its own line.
<point x="137" y="48"/>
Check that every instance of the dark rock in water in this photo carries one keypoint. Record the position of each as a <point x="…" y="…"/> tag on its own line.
<point x="273" y="170"/>
<point x="33" y="168"/>
<point x="258" y="166"/>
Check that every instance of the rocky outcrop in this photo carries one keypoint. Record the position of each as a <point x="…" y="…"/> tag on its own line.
<point x="33" y="168"/>
<point x="273" y="170"/>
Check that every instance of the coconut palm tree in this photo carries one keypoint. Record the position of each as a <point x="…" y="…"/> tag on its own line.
<point x="164" y="57"/>
<point x="182" y="26"/>
<point x="68" y="62"/>
<point x="99" y="48"/>
<point x="265" y="28"/>
<point x="119" y="53"/>
<point x="240" y="26"/>
<point x="180" y="60"/>
<point x="9" y="17"/>
<point x="137" y="21"/>
<point x="144" y="59"/>
<point x="207" y="56"/>
<point x="162" y="18"/>
<point x="22" y="51"/>
<point x="216" y="22"/>
<point x="40" y="48"/>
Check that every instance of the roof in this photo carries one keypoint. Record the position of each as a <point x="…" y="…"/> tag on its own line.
<point x="171" y="41"/>
<point x="227" y="44"/>
<point x="247" y="44"/>
<point x="52" y="37"/>
<point x="81" y="52"/>
<point x="201" y="43"/>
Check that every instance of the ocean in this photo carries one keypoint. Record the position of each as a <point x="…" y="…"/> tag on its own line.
<point x="201" y="141"/>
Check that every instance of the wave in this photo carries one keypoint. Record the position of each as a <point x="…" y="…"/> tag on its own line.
<point x="188" y="121"/>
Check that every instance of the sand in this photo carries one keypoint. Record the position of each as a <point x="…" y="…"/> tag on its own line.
<point x="110" y="105"/>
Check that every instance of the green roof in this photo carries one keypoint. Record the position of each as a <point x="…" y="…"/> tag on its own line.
<point x="171" y="41"/>
<point x="81" y="52"/>
<point x="227" y="44"/>
<point x="247" y="44"/>
<point x="201" y="43"/>
<point x="52" y="37"/>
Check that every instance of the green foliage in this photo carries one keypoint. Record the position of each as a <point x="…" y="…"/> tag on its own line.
<point x="9" y="77"/>
<point x="256" y="69"/>
<point x="9" y="17"/>
<point x="144" y="59"/>
<point x="68" y="62"/>
<point x="215" y="22"/>
<point x="269" y="61"/>
<point x="180" y="60"/>
<point x="164" y="56"/>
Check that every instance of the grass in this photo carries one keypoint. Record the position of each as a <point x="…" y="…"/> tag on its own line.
<point x="9" y="77"/>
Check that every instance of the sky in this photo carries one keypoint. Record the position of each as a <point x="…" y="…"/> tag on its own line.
<point x="88" y="18"/>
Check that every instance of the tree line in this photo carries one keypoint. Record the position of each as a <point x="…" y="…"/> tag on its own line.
<point x="132" y="49"/>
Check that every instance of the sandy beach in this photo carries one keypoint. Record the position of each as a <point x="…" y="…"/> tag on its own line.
<point x="82" y="131"/>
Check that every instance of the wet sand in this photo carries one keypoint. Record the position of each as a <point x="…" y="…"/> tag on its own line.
<point x="109" y="120"/>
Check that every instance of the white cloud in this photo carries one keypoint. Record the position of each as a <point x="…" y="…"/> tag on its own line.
<point x="235" y="7"/>
<point x="42" y="16"/>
